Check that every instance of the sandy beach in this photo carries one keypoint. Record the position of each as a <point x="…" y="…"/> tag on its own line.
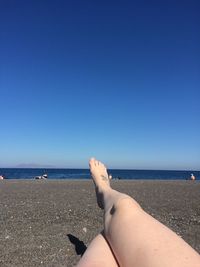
<point x="50" y="223"/>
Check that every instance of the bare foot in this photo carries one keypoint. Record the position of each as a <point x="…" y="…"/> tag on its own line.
<point x="100" y="178"/>
<point x="99" y="173"/>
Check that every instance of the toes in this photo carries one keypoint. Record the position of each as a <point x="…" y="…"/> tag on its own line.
<point x="92" y="162"/>
<point x="102" y="165"/>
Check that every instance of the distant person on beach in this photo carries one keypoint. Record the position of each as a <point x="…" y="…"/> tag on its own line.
<point x="192" y="177"/>
<point x="131" y="237"/>
<point x="1" y="177"/>
<point x="44" y="176"/>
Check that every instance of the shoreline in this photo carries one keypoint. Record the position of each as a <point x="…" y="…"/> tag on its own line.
<point x="38" y="216"/>
<point x="89" y="179"/>
<point x="118" y="174"/>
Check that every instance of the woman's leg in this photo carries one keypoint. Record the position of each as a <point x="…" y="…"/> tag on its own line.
<point x="98" y="254"/>
<point x="136" y="238"/>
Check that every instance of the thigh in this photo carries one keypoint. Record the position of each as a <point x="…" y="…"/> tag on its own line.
<point x="98" y="254"/>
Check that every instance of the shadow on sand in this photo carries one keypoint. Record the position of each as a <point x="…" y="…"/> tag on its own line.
<point x="79" y="245"/>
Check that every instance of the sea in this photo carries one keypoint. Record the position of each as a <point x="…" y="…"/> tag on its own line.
<point x="31" y="173"/>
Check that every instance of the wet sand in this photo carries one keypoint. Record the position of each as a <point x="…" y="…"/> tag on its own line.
<point x="51" y="222"/>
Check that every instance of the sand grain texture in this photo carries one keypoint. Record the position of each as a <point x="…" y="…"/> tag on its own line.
<point x="38" y="217"/>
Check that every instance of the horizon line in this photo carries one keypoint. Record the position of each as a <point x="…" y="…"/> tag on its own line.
<point x="128" y="169"/>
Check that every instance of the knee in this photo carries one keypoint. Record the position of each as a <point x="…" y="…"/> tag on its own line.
<point x="124" y="204"/>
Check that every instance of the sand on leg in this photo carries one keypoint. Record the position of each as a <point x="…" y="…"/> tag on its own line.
<point x="98" y="254"/>
<point x="136" y="238"/>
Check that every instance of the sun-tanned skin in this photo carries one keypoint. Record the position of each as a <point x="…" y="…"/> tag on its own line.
<point x="132" y="238"/>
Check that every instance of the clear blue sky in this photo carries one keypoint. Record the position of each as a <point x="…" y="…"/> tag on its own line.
<point x="118" y="80"/>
